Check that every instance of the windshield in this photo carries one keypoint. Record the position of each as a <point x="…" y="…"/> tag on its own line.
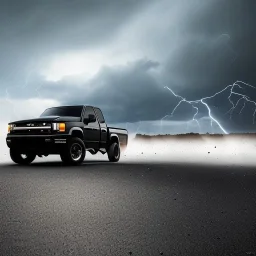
<point x="63" y="111"/>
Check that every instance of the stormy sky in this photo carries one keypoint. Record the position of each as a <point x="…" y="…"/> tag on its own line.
<point x="119" y="55"/>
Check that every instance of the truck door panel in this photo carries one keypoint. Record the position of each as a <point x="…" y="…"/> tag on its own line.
<point x="91" y="130"/>
<point x="103" y="127"/>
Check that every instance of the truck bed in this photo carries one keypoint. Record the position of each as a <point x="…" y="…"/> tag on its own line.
<point x="122" y="135"/>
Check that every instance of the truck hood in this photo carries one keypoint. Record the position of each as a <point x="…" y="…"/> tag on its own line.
<point x="49" y="119"/>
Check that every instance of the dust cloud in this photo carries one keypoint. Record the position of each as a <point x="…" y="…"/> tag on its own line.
<point x="213" y="149"/>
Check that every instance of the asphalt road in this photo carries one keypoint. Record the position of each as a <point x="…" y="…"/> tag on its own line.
<point x="101" y="208"/>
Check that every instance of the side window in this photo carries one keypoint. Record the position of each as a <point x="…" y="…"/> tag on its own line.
<point x="87" y="112"/>
<point x="99" y="115"/>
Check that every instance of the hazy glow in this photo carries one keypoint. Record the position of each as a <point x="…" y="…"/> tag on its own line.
<point x="84" y="63"/>
<point x="72" y="64"/>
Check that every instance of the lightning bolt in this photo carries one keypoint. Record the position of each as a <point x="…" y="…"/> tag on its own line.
<point x="241" y="97"/>
<point x="194" y="117"/>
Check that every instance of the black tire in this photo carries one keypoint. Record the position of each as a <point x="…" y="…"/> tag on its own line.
<point x="114" y="152"/>
<point x="22" y="159"/>
<point x="74" y="153"/>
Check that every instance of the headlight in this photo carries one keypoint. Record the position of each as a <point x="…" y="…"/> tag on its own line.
<point x="10" y="127"/>
<point x="61" y="127"/>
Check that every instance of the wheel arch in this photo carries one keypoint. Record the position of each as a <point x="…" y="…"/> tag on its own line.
<point x="77" y="132"/>
<point x="113" y="138"/>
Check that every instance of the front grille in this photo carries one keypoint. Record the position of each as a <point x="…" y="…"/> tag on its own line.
<point x="39" y="128"/>
<point x="41" y="124"/>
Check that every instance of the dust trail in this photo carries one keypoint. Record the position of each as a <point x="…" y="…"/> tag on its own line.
<point x="215" y="150"/>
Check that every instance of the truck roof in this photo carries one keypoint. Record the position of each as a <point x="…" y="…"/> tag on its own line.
<point x="65" y="106"/>
<point x="74" y="106"/>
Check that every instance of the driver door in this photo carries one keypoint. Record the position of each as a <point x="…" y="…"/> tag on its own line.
<point x="91" y="130"/>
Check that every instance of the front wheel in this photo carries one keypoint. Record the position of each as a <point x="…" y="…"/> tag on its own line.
<point x="22" y="159"/>
<point x="74" y="153"/>
<point x="114" y="152"/>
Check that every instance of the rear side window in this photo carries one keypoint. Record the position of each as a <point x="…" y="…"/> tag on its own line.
<point x="89" y="111"/>
<point x="99" y="115"/>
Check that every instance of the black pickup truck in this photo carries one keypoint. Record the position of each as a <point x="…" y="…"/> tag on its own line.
<point x="68" y="131"/>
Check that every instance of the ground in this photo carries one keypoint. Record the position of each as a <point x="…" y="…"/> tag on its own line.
<point x="127" y="208"/>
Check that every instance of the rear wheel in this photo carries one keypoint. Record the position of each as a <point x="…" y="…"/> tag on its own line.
<point x="74" y="153"/>
<point x="114" y="152"/>
<point x="22" y="159"/>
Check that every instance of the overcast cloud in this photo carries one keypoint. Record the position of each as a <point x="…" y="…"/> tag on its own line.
<point x="119" y="55"/>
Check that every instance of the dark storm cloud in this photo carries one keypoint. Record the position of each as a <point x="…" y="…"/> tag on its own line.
<point x="127" y="93"/>
<point x="32" y="30"/>
<point x="53" y="25"/>
<point x="220" y="49"/>
<point x="196" y="48"/>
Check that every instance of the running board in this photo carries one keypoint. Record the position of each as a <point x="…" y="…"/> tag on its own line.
<point x="101" y="150"/>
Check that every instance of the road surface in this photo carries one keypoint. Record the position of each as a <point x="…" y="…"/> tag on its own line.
<point x="143" y="208"/>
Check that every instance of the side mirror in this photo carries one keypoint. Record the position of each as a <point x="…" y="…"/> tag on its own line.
<point x="86" y="120"/>
<point x="90" y="119"/>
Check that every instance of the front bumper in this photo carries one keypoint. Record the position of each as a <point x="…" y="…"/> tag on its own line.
<point x="38" y="144"/>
